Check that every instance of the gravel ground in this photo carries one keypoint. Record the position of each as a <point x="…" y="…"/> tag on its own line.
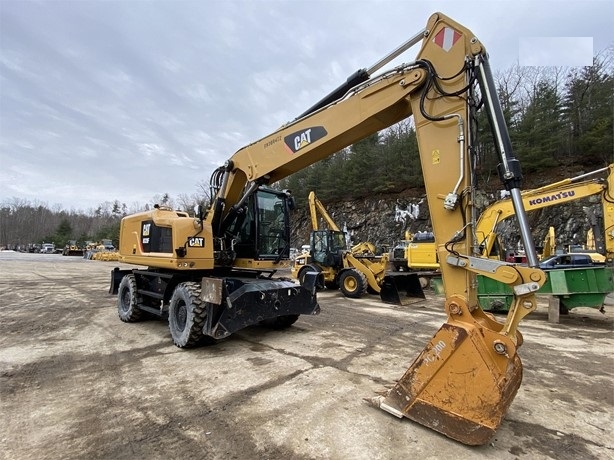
<point x="76" y="383"/>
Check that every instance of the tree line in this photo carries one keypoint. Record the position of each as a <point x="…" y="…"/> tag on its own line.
<point x="555" y="117"/>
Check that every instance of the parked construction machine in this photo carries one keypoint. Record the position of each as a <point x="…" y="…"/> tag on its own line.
<point x="574" y="285"/>
<point x="551" y="248"/>
<point x="351" y="270"/>
<point x="214" y="273"/>
<point x="73" y="248"/>
<point x="417" y="252"/>
<point x="564" y="191"/>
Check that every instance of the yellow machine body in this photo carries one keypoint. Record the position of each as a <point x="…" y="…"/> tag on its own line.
<point x="147" y="239"/>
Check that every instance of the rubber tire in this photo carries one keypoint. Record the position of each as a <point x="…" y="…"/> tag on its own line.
<point x="280" y="322"/>
<point x="352" y="283"/>
<point x="186" y="315"/>
<point x="304" y="270"/>
<point x="127" y="308"/>
<point x="301" y="274"/>
<point x="425" y="282"/>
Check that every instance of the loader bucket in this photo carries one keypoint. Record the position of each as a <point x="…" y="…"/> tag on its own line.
<point x="401" y="288"/>
<point x="461" y="385"/>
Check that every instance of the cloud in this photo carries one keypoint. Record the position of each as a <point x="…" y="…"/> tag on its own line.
<point x="103" y="101"/>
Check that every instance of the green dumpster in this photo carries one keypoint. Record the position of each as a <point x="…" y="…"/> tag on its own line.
<point x="575" y="287"/>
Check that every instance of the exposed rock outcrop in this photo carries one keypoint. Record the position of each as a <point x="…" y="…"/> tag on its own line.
<point x="383" y="220"/>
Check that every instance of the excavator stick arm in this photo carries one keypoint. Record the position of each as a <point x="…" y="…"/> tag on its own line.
<point x="466" y="377"/>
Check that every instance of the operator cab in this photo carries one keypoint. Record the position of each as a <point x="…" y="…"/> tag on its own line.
<point x="327" y="247"/>
<point x="263" y="231"/>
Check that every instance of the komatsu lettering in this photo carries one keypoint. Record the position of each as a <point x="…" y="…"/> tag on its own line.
<point x="555" y="197"/>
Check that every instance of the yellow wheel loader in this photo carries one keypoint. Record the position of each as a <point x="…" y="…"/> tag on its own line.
<point x="215" y="273"/>
<point x="355" y="270"/>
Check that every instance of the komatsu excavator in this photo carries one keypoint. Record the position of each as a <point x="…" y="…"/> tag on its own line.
<point x="563" y="191"/>
<point x="214" y="274"/>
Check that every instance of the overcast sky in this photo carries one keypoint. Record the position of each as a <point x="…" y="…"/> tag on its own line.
<point x="105" y="100"/>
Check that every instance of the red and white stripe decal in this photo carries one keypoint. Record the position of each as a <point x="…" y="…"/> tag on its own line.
<point x="446" y="38"/>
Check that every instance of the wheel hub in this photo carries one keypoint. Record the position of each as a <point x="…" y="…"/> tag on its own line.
<point x="181" y="316"/>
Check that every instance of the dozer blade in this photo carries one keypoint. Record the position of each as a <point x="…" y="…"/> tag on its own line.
<point x="461" y="385"/>
<point x="401" y="288"/>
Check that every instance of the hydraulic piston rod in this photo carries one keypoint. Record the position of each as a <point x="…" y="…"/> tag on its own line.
<point x="509" y="168"/>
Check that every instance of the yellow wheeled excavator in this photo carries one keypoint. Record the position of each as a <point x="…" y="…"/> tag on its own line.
<point x="214" y="273"/>
<point x="353" y="270"/>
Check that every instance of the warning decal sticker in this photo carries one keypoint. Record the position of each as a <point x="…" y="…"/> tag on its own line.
<point x="446" y="38"/>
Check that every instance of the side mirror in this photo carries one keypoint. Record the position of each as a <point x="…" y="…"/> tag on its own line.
<point x="290" y="198"/>
<point x="199" y="211"/>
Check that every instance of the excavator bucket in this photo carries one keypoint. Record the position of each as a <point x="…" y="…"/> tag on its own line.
<point x="401" y="288"/>
<point x="459" y="385"/>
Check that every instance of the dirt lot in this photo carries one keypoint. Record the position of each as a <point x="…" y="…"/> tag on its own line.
<point x="75" y="382"/>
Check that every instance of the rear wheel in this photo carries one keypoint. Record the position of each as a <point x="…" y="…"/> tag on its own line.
<point x="352" y="283"/>
<point x="127" y="307"/>
<point x="186" y="315"/>
<point x="301" y="274"/>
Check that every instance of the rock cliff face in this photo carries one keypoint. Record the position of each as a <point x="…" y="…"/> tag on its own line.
<point x="383" y="220"/>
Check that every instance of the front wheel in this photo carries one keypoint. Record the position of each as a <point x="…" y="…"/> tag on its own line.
<point x="127" y="307"/>
<point x="186" y="315"/>
<point x="303" y="271"/>
<point x="353" y="283"/>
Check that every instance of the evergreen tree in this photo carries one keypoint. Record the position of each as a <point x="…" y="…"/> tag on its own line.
<point x="364" y="166"/>
<point x="63" y="233"/>
<point x="540" y="130"/>
<point x="588" y="111"/>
